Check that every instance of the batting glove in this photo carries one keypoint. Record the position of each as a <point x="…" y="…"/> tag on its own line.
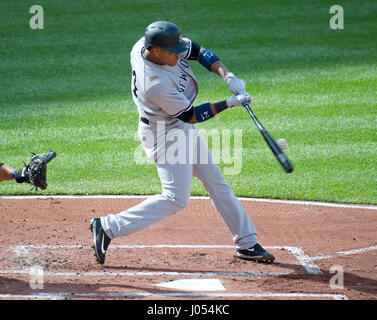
<point x="238" y="100"/>
<point x="249" y="99"/>
<point x="235" y="84"/>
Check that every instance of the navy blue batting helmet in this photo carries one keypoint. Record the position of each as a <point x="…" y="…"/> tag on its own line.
<point x="166" y="35"/>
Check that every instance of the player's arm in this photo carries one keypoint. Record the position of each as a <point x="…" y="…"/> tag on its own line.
<point x="215" y="66"/>
<point x="213" y="63"/>
<point x="10" y="173"/>
<point x="207" y="111"/>
<point x="200" y="54"/>
<point x="6" y="172"/>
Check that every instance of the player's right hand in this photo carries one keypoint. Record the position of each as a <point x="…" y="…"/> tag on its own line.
<point x="239" y="100"/>
<point x="235" y="84"/>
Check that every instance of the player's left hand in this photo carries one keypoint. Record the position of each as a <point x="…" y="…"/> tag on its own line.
<point x="235" y="85"/>
<point x="238" y="100"/>
<point x="249" y="99"/>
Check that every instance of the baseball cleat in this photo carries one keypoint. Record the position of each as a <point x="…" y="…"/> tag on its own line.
<point x="256" y="253"/>
<point x="100" y="239"/>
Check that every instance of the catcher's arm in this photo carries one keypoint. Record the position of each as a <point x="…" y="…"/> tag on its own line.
<point x="35" y="171"/>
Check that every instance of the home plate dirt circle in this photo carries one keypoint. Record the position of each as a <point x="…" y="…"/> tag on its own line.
<point x="322" y="250"/>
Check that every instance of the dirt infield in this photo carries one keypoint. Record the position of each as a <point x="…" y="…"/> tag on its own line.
<point x="323" y="251"/>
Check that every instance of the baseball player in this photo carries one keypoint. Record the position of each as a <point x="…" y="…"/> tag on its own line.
<point x="34" y="172"/>
<point x="164" y="89"/>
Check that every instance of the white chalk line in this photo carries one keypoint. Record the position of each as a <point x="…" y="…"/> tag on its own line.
<point x="112" y="295"/>
<point x="140" y="273"/>
<point x="280" y="201"/>
<point x="344" y="253"/>
<point x="306" y="262"/>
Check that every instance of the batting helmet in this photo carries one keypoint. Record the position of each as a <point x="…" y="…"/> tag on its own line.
<point x="166" y="35"/>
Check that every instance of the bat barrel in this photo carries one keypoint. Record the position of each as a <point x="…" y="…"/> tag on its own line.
<point x="286" y="164"/>
<point x="276" y="150"/>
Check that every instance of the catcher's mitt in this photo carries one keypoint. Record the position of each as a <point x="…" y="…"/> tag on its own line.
<point x="35" y="171"/>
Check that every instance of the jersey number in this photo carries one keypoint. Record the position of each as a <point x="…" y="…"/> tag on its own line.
<point x="134" y="90"/>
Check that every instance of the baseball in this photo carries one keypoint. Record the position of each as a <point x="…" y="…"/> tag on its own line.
<point x="283" y="144"/>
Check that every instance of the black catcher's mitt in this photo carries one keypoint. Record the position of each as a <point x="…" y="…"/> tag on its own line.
<point x="35" y="171"/>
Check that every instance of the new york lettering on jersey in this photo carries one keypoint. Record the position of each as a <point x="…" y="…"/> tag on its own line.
<point x="183" y="82"/>
<point x="172" y="90"/>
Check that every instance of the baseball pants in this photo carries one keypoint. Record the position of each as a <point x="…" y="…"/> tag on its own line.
<point x="176" y="185"/>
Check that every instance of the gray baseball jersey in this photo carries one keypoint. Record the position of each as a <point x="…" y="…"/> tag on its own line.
<point x="161" y="93"/>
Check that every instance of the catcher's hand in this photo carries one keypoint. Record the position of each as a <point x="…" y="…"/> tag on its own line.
<point x="35" y="171"/>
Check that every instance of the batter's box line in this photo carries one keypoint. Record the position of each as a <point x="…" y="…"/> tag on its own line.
<point x="143" y="273"/>
<point x="125" y="295"/>
<point x="344" y="253"/>
<point x="306" y="262"/>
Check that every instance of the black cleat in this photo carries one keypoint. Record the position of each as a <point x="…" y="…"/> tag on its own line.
<point x="100" y="239"/>
<point x="256" y="253"/>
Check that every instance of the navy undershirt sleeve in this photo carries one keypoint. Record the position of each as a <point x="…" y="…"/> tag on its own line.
<point x="195" y="50"/>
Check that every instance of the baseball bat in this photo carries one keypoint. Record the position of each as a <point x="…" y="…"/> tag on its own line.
<point x="276" y="150"/>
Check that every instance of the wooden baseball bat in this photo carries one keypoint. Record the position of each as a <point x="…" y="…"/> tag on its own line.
<point x="276" y="150"/>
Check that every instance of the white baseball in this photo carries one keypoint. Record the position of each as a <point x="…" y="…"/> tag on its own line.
<point x="283" y="144"/>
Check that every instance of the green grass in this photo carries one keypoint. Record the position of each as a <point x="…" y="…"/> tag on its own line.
<point x="67" y="87"/>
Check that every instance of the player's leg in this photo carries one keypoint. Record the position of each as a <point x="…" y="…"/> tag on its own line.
<point x="223" y="198"/>
<point x="176" y="183"/>
<point x="229" y="207"/>
<point x="175" y="180"/>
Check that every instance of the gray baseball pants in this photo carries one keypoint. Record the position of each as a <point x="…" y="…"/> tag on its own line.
<point x="176" y="184"/>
